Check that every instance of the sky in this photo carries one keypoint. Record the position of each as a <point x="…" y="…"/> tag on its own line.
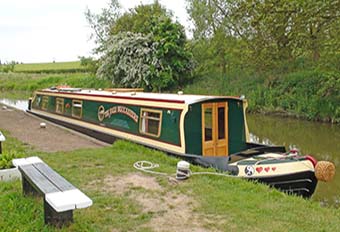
<point x="33" y="31"/>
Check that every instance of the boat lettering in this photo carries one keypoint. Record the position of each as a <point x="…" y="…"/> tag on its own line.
<point x="102" y="113"/>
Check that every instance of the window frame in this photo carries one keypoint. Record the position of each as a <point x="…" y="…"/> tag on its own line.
<point x="62" y="106"/>
<point x="145" y="119"/>
<point x="44" y="102"/>
<point x="74" y="103"/>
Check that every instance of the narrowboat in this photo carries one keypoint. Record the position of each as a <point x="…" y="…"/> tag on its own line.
<point x="207" y="130"/>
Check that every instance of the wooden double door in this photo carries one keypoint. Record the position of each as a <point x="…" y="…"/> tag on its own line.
<point x="215" y="129"/>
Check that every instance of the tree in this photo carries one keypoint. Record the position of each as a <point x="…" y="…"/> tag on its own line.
<point x="173" y="61"/>
<point x="89" y="63"/>
<point x="222" y="46"/>
<point x="140" y="19"/>
<point x="275" y="31"/>
<point x="169" y="61"/>
<point x="102" y="23"/>
<point x="127" y="60"/>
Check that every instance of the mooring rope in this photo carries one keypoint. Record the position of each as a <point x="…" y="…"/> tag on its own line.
<point x="147" y="166"/>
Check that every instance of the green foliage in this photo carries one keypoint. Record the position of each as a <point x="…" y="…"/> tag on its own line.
<point x="89" y="63"/>
<point x="272" y="32"/>
<point x="7" y="67"/>
<point x="140" y="19"/>
<point x="283" y="55"/>
<point x="102" y="23"/>
<point x="172" y="63"/>
<point x="7" y="157"/>
<point x="127" y="60"/>
<point x="146" y="49"/>
<point x="312" y="94"/>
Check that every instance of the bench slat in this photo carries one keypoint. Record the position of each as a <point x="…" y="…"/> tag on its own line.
<point x="68" y="200"/>
<point x="60" y="182"/>
<point x="37" y="179"/>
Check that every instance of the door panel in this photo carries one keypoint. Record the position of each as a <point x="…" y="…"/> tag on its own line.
<point x="215" y="129"/>
<point x="222" y="129"/>
<point x="208" y="129"/>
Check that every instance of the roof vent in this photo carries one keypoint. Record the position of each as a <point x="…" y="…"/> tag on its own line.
<point x="180" y="92"/>
<point x="133" y="93"/>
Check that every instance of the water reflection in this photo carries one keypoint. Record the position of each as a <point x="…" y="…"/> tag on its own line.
<point x="319" y="139"/>
<point x="256" y="139"/>
<point x="18" y="104"/>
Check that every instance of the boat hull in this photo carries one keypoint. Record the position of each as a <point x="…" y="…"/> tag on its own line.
<point x="84" y="130"/>
<point x="301" y="183"/>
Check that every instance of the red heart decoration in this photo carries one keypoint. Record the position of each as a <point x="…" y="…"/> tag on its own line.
<point x="259" y="169"/>
<point x="267" y="169"/>
<point x="273" y="168"/>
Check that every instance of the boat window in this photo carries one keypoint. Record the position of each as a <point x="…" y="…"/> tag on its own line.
<point x="44" y="102"/>
<point x="59" y="105"/>
<point x="150" y="122"/>
<point x="77" y="108"/>
<point x="221" y="123"/>
<point x="208" y="124"/>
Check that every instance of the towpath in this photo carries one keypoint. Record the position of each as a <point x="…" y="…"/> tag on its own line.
<point x="53" y="138"/>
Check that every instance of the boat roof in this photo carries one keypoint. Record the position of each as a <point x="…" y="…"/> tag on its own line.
<point x="137" y="95"/>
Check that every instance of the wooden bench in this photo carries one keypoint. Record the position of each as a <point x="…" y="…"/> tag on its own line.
<point x="60" y="197"/>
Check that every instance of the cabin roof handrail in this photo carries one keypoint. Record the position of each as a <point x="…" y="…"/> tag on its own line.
<point x="123" y="90"/>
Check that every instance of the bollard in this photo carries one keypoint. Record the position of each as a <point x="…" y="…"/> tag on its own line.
<point x="30" y="103"/>
<point x="183" y="170"/>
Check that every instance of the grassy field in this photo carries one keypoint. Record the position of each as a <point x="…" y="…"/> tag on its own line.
<point x="71" y="66"/>
<point x="201" y="203"/>
<point x="31" y="82"/>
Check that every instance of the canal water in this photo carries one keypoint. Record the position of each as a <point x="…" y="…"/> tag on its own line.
<point x="18" y="104"/>
<point x="321" y="140"/>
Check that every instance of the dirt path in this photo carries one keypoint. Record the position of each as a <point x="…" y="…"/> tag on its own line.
<point x="170" y="210"/>
<point x="26" y="128"/>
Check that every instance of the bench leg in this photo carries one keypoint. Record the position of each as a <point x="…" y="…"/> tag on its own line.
<point x="57" y="219"/>
<point x="27" y="188"/>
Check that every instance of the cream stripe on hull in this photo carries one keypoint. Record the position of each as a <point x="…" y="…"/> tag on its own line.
<point x="273" y="169"/>
<point x="119" y="134"/>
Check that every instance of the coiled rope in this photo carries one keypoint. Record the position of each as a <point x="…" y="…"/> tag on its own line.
<point x="146" y="166"/>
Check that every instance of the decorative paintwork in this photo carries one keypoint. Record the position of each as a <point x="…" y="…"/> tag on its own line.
<point x="103" y="113"/>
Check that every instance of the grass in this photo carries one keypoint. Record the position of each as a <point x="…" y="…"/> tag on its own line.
<point x="31" y="82"/>
<point x="72" y="66"/>
<point x="223" y="204"/>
